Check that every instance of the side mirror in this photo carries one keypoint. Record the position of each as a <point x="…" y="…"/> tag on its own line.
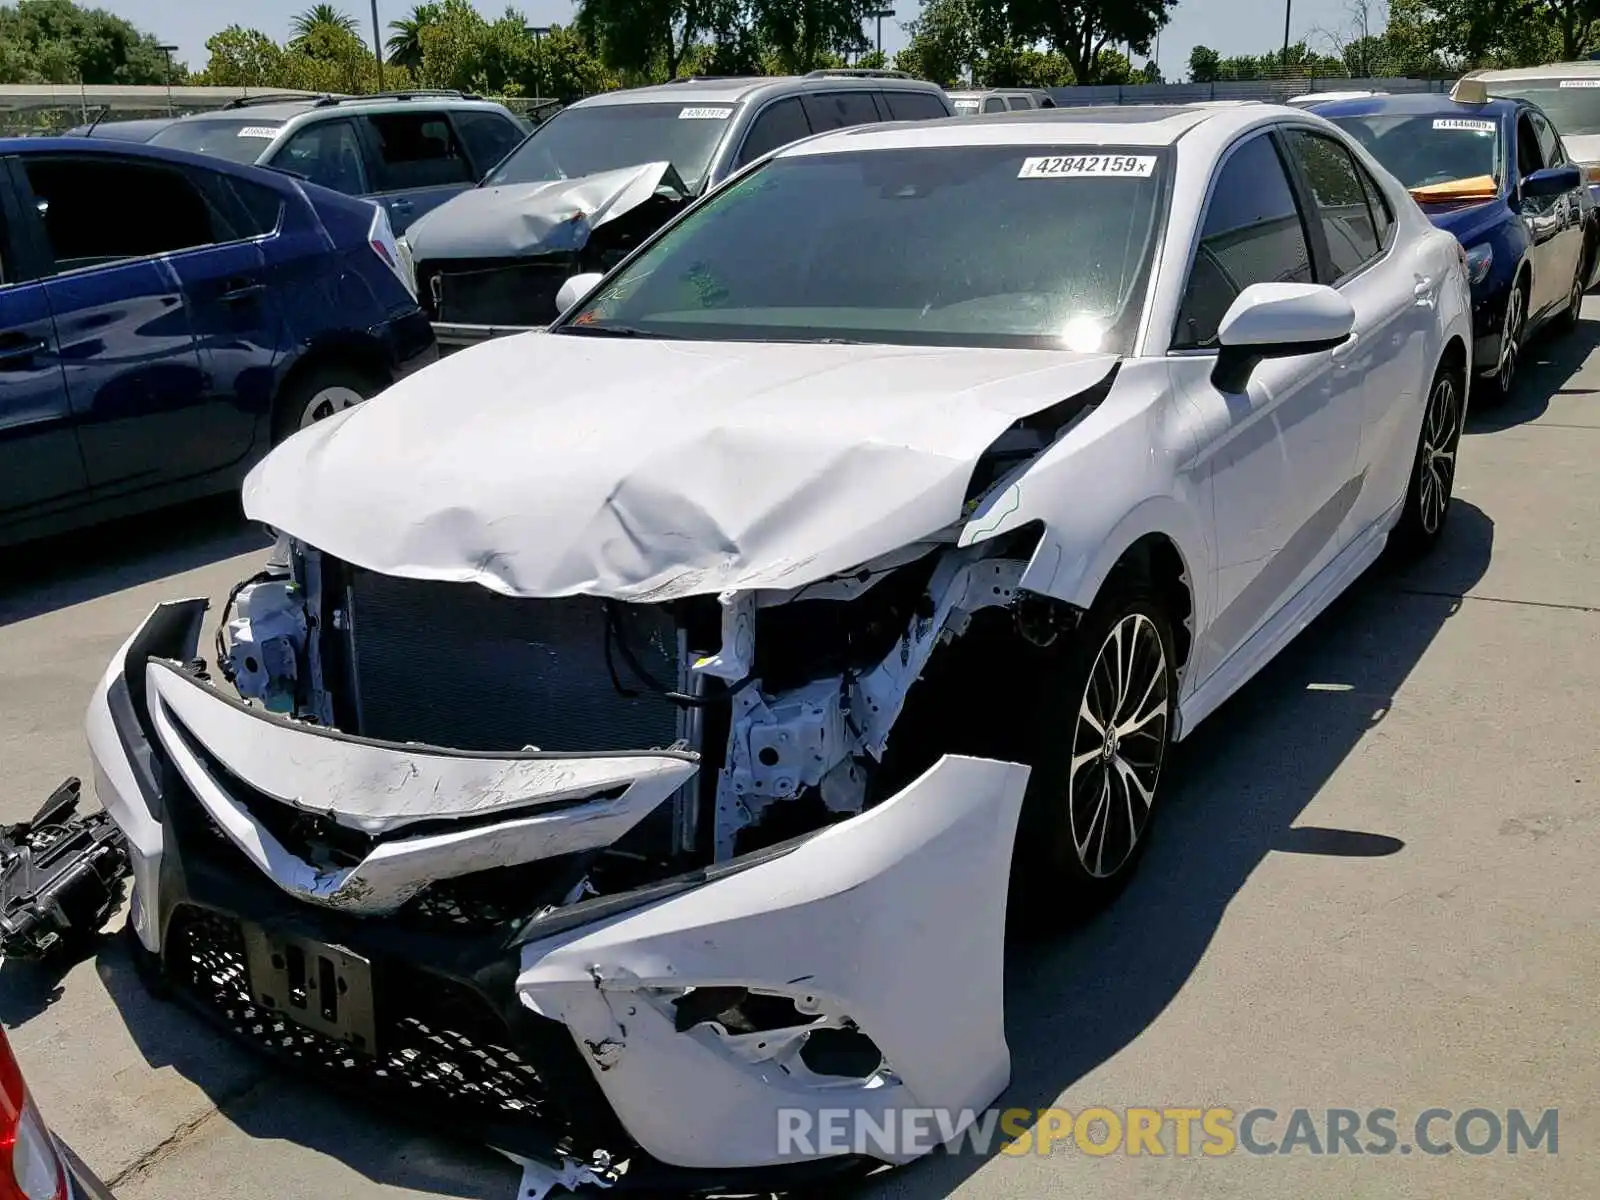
<point x="575" y="289"/>
<point x="1552" y="181"/>
<point x="1278" y="320"/>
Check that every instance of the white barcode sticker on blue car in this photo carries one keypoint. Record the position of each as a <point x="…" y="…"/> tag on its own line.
<point x="1468" y="123"/>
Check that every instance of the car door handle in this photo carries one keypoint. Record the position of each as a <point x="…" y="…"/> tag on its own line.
<point x="18" y="354"/>
<point x="242" y="291"/>
<point x="400" y="205"/>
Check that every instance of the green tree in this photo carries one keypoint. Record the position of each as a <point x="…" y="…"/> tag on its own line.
<point x="802" y="35"/>
<point x="655" y="37"/>
<point x="1024" y="66"/>
<point x="242" y="58"/>
<point x="1205" y="65"/>
<point x="405" y="43"/>
<point x="1080" y="29"/>
<point x="944" y="44"/>
<point x="56" y="41"/>
<point x="320" y="19"/>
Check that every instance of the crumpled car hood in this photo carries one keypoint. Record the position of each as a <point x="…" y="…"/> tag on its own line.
<point x="552" y="465"/>
<point x="526" y="218"/>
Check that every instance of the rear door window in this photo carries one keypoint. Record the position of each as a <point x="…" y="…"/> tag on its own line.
<point x="328" y="153"/>
<point x="913" y="106"/>
<point x="70" y="196"/>
<point x="416" y="150"/>
<point x="836" y="110"/>
<point x="778" y="124"/>
<point x="1019" y="103"/>
<point x="994" y="104"/>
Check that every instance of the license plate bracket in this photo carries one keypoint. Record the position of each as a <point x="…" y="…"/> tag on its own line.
<point x="326" y="989"/>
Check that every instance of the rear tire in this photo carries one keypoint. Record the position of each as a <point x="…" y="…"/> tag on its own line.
<point x="1105" y="719"/>
<point x="1433" y="468"/>
<point x="318" y="394"/>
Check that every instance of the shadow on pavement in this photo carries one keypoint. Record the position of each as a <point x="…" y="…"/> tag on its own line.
<point x="1550" y="364"/>
<point x="1244" y="778"/>
<point x="265" y="1102"/>
<point x="70" y="569"/>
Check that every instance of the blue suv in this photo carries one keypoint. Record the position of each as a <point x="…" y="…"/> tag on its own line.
<point x="166" y="318"/>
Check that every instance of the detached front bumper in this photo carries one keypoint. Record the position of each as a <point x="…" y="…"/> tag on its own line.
<point x="675" y="1028"/>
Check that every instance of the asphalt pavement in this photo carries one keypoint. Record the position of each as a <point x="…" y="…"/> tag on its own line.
<point x="1375" y="886"/>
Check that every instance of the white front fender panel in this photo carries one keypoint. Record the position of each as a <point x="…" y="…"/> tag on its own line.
<point x="890" y="924"/>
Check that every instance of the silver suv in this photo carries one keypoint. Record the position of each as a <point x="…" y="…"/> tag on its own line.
<point x="596" y="180"/>
<point x="408" y="151"/>
<point x="999" y="100"/>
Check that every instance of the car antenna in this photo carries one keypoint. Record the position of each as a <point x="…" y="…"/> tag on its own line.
<point x="98" y="117"/>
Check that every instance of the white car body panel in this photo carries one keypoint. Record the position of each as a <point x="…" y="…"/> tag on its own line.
<point x="545" y="467"/>
<point x="863" y="921"/>
<point x="748" y="466"/>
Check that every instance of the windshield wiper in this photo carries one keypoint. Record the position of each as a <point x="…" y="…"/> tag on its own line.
<point x="607" y="331"/>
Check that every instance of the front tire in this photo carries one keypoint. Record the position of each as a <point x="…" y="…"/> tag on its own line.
<point x="1496" y="388"/>
<point x="1433" y="469"/>
<point x="1105" y="719"/>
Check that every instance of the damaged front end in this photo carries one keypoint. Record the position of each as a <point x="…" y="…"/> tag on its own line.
<point x="492" y="261"/>
<point x="540" y="861"/>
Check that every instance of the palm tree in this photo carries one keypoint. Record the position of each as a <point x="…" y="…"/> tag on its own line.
<point x="405" y="47"/>
<point x="320" y="16"/>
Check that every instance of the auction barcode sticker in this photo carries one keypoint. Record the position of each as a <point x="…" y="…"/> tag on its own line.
<point x="704" y="114"/>
<point x="1468" y="123"/>
<point x="260" y="131"/>
<point x="1088" y="166"/>
<point x="1580" y="83"/>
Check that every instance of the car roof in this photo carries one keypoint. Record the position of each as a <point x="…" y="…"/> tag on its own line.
<point x="977" y="93"/>
<point x="1114" y="125"/>
<point x="1588" y="69"/>
<point x="737" y="89"/>
<point x="282" y="111"/>
<point x="1421" y="104"/>
<point x="115" y="148"/>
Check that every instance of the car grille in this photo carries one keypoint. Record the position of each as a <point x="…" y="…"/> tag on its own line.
<point x="454" y="664"/>
<point x="439" y="1044"/>
<point x="518" y="292"/>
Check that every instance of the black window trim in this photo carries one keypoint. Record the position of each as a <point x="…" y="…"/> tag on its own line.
<point x="1271" y="132"/>
<point x="40" y="260"/>
<point x="1321" y="256"/>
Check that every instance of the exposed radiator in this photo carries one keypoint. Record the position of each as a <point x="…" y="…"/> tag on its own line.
<point x="494" y="291"/>
<point x="454" y="664"/>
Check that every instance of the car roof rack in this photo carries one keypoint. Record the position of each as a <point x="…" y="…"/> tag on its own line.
<point x="857" y="73"/>
<point x="412" y="94"/>
<point x="276" y="98"/>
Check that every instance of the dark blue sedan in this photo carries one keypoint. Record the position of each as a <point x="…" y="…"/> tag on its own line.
<point x="1496" y="174"/>
<point x="166" y="318"/>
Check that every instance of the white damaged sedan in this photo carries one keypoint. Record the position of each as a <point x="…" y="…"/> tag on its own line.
<point x="643" y="727"/>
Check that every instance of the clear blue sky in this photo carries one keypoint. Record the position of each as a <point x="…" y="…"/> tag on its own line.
<point x="1229" y="26"/>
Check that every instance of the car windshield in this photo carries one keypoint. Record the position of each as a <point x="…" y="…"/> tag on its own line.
<point x="1421" y="151"/>
<point x="237" y="139"/>
<point x="1004" y="246"/>
<point x="1573" y="105"/>
<point x="587" y="141"/>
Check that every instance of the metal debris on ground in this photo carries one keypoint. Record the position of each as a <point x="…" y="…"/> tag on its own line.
<point x="60" y="877"/>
